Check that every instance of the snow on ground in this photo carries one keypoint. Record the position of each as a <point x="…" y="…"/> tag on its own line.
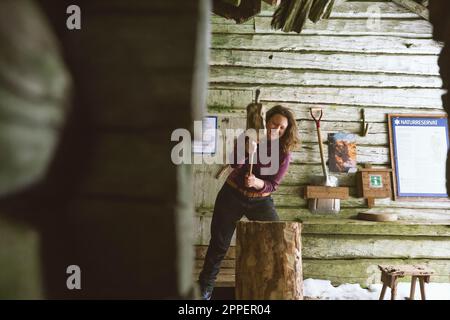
<point x="323" y="289"/>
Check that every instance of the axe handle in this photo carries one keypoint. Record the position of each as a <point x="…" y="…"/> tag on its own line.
<point x="222" y="171"/>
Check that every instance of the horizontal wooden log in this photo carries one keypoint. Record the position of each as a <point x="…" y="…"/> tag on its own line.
<point x="423" y="215"/>
<point x="362" y="246"/>
<point x="366" y="272"/>
<point x="360" y="9"/>
<point x="344" y="27"/>
<point x="334" y="113"/>
<point x="225" y="99"/>
<point x="224" y="281"/>
<point x="341" y="113"/>
<point x="240" y="75"/>
<point x="364" y="97"/>
<point x="287" y="189"/>
<point x="328" y="43"/>
<point x="356" y="27"/>
<point x="298" y="201"/>
<point x="301" y="213"/>
<point x="352" y="226"/>
<point x="218" y="28"/>
<point x="200" y="252"/>
<point x="362" y="271"/>
<point x="223" y="271"/>
<point x="336" y="118"/>
<point x="259" y="56"/>
<point x="309" y="153"/>
<point x="377" y="132"/>
<point x="223" y="25"/>
<point x="330" y="226"/>
<point x="347" y="227"/>
<point x="383" y="204"/>
<point x="287" y="196"/>
<point x="226" y="264"/>
<point x="411" y="204"/>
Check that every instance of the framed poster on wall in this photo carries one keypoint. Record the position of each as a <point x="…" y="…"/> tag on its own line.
<point x="418" y="148"/>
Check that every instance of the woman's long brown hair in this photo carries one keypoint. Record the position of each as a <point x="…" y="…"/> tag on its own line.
<point x="290" y="139"/>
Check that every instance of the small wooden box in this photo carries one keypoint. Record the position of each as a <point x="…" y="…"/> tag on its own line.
<point x="374" y="183"/>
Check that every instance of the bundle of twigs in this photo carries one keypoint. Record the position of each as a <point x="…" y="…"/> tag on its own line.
<point x="291" y="15"/>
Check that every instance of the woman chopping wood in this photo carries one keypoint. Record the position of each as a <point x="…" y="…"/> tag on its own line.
<point x="247" y="190"/>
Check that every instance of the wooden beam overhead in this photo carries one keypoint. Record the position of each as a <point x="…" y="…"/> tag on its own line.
<point x="414" y="7"/>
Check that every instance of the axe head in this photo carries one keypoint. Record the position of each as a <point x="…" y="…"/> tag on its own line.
<point x="256" y="118"/>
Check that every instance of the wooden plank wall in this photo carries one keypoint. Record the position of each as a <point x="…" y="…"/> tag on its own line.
<point x="344" y="64"/>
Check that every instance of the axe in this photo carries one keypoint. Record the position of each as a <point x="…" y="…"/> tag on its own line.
<point x="256" y="119"/>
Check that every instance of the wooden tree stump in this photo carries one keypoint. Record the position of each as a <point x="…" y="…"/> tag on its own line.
<point x="269" y="261"/>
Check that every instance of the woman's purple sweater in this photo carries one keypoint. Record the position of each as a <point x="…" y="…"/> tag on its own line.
<point x="241" y="168"/>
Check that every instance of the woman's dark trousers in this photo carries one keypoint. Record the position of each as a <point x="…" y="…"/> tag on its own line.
<point x="229" y="208"/>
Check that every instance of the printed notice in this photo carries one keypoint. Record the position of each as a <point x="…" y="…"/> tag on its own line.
<point x="209" y="136"/>
<point x="420" y="151"/>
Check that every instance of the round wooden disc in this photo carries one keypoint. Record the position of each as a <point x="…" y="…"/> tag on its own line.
<point x="375" y="216"/>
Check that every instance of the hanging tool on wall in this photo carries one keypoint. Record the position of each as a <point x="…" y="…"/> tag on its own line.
<point x="324" y="197"/>
<point x="238" y="10"/>
<point x="291" y="15"/>
<point x="365" y="125"/>
<point x="256" y="119"/>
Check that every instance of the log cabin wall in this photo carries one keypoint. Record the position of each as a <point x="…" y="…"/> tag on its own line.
<point x="343" y="65"/>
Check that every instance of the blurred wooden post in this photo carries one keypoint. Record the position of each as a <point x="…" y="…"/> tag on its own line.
<point x="269" y="261"/>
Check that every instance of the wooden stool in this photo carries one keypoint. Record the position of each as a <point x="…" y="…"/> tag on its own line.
<point x="390" y="275"/>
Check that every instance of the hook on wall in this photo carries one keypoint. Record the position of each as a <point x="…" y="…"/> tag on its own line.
<point x="365" y="126"/>
<point x="257" y="93"/>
